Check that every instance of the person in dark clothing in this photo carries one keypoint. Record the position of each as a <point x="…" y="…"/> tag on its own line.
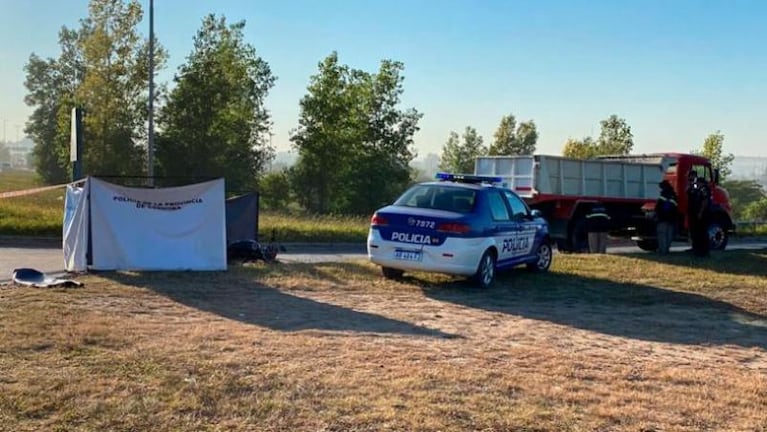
<point x="698" y="202"/>
<point x="667" y="215"/>
<point x="597" y="226"/>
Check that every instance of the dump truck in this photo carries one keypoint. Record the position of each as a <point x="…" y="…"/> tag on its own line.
<point x="564" y="189"/>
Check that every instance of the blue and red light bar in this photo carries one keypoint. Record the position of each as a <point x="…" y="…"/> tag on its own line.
<point x="467" y="178"/>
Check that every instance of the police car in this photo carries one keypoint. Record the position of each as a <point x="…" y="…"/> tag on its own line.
<point x="461" y="225"/>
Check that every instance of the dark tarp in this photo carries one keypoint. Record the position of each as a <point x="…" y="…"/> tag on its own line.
<point x="242" y="218"/>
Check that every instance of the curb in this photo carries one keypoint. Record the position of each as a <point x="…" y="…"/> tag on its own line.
<point x="298" y="248"/>
<point x="30" y="242"/>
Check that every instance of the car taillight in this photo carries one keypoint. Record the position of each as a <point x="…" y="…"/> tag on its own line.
<point x="453" y="228"/>
<point x="377" y="220"/>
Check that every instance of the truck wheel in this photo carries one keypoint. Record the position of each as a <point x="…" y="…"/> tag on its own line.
<point x="485" y="274"/>
<point x="717" y="236"/>
<point x="648" y="245"/>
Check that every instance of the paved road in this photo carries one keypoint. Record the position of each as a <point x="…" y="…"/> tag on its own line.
<point x="49" y="259"/>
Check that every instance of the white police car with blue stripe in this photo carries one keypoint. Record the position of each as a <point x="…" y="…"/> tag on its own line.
<point x="462" y="225"/>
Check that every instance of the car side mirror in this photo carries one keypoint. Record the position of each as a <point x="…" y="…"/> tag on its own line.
<point x="535" y="213"/>
<point x="716" y="176"/>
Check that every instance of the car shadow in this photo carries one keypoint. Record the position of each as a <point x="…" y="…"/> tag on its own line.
<point x="622" y="309"/>
<point x="735" y="262"/>
<point x="232" y="296"/>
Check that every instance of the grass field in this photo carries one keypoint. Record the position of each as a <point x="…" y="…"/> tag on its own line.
<point x="601" y="343"/>
<point x="39" y="214"/>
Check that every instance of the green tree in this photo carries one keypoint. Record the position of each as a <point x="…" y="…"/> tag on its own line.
<point x="713" y="150"/>
<point x="274" y="190"/>
<point x="580" y="149"/>
<point x="215" y="123"/>
<point x="325" y="132"/>
<point x="615" y="137"/>
<point x="113" y="91"/>
<point x="511" y="140"/>
<point x="458" y="156"/>
<point x="743" y="193"/>
<point x="453" y="155"/>
<point x="102" y="67"/>
<point x="756" y="211"/>
<point x="387" y="145"/>
<point x="51" y="84"/>
<point x="354" y="143"/>
<point x="527" y="136"/>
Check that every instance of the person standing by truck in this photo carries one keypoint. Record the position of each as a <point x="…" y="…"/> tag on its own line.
<point x="698" y="197"/>
<point x="597" y="226"/>
<point x="667" y="215"/>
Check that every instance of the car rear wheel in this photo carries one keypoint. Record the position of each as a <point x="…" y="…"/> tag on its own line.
<point x="486" y="270"/>
<point x="544" y="255"/>
<point x="391" y="273"/>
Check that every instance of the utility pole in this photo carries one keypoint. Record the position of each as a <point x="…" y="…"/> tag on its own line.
<point x="150" y="138"/>
<point x="271" y="135"/>
<point x="76" y="144"/>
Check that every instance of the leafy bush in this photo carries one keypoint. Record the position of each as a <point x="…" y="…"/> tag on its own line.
<point x="274" y="190"/>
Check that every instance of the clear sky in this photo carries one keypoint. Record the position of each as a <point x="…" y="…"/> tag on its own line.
<point x="675" y="70"/>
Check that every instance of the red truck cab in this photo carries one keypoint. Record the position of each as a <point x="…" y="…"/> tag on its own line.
<point x="721" y="219"/>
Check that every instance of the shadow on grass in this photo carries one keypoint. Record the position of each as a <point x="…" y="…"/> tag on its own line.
<point x="735" y="262"/>
<point x="629" y="310"/>
<point x="328" y="271"/>
<point x="234" y="295"/>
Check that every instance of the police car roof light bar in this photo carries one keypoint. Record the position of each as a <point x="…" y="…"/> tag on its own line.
<point x="467" y="178"/>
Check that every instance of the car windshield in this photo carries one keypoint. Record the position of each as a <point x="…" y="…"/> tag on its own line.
<point x="439" y="197"/>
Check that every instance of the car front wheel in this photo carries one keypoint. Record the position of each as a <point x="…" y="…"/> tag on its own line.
<point x="544" y="257"/>
<point x="486" y="270"/>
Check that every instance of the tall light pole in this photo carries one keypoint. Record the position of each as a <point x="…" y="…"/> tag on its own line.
<point x="150" y="138"/>
<point x="271" y="135"/>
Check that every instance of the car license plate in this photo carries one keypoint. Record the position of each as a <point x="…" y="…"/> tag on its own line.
<point x="407" y="255"/>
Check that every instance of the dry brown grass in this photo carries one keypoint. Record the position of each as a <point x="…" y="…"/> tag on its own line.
<point x="601" y="343"/>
